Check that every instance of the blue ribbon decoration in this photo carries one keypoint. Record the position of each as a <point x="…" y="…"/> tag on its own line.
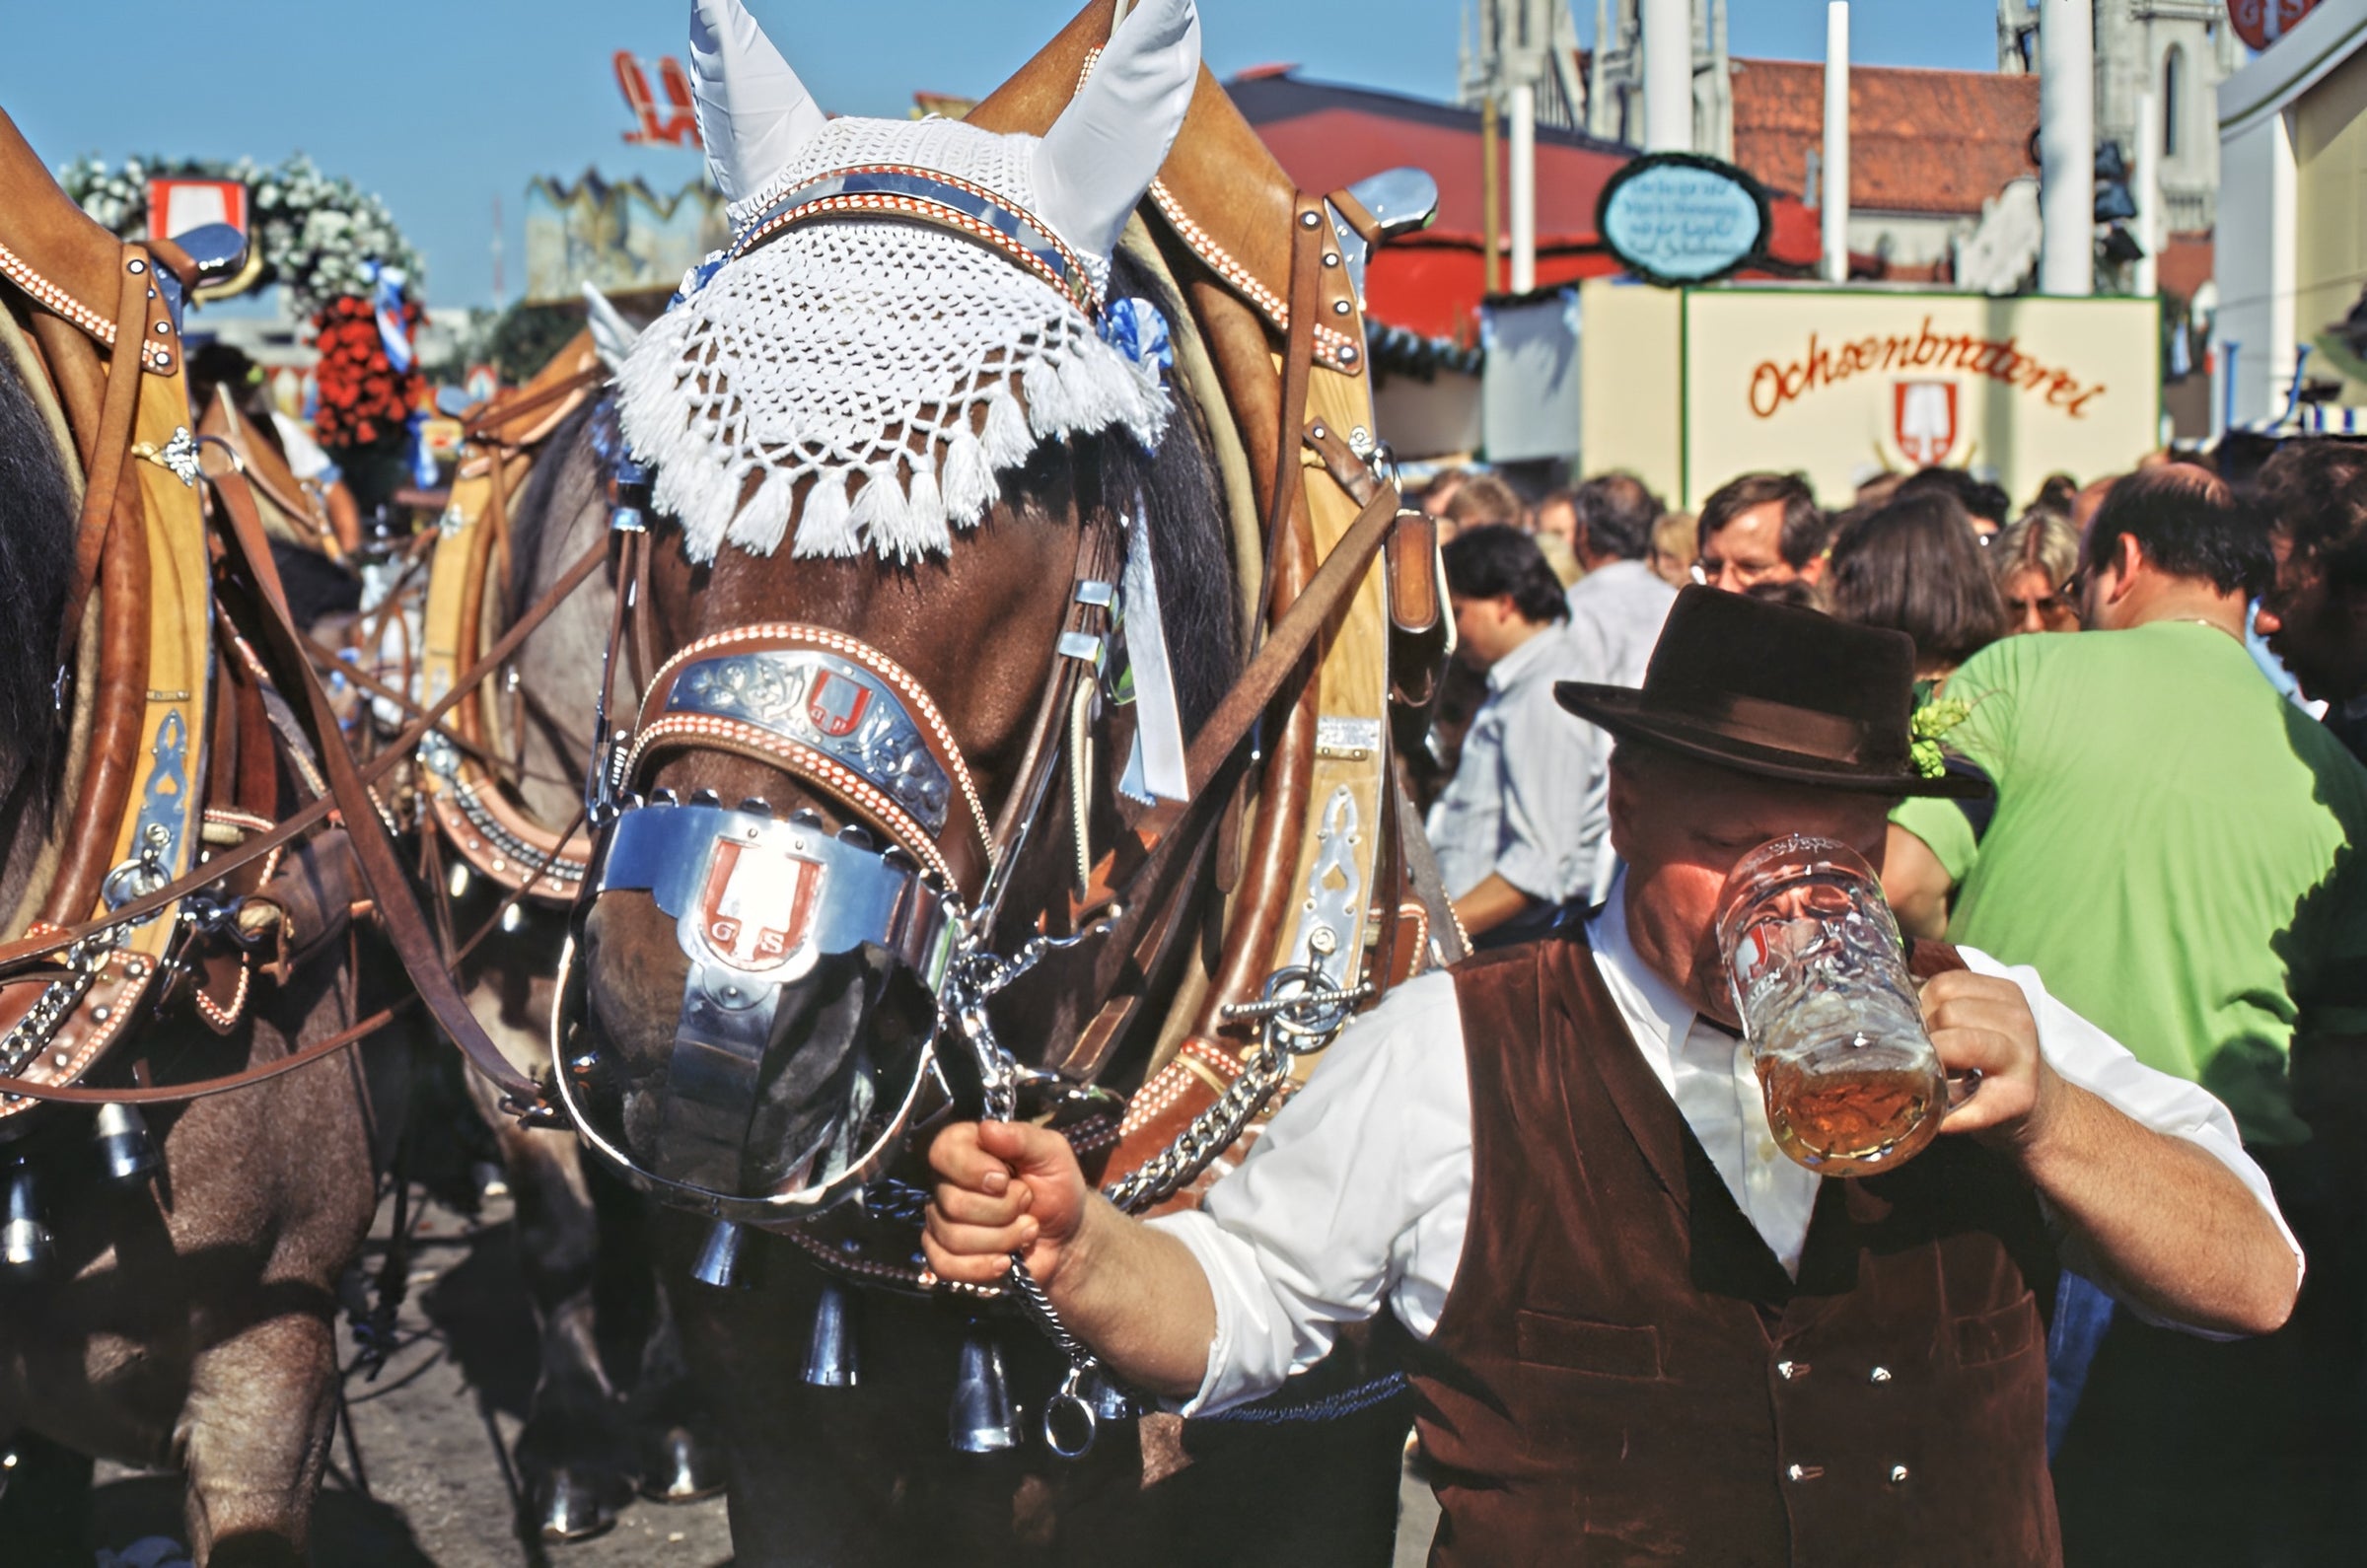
<point x="386" y="284"/>
<point x="697" y="277"/>
<point x="1135" y="328"/>
<point x="424" y="472"/>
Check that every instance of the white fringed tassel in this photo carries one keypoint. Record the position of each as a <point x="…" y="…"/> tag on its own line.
<point x="761" y="522"/>
<point x="968" y="479"/>
<point x="880" y="512"/>
<point x="925" y="512"/>
<point x="1006" y="439"/>
<point x="826" y="526"/>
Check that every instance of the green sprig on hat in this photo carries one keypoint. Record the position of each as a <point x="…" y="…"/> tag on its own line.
<point x="1930" y="723"/>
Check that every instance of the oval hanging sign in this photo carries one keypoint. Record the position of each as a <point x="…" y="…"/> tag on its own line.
<point x="1678" y="218"/>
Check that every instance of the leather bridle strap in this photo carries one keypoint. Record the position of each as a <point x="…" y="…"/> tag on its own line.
<point x="398" y="911"/>
<point x="1171" y="828"/>
<point x="175" y="1093"/>
<point x="1298" y="368"/>
<point x="22" y="956"/>
<point x="1331" y="587"/>
<point x="108" y="465"/>
<point x="483" y="424"/>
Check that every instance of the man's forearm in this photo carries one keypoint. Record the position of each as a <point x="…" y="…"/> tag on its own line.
<point x="1138" y="1297"/>
<point x="2173" y="1225"/>
<point x="1490" y="904"/>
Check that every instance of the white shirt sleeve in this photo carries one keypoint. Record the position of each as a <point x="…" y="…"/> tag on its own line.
<point x="2085" y="1055"/>
<point x="1358" y="1192"/>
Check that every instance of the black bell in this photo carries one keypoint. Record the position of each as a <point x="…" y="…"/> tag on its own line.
<point x="983" y="1420"/>
<point x="127" y="1156"/>
<point x="830" y="1352"/>
<point x="27" y="1249"/>
<point x="719" y="1256"/>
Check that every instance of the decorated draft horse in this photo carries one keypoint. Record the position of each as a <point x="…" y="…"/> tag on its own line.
<point x="169" y="1282"/>
<point x="188" y="1143"/>
<point x="1027" y="599"/>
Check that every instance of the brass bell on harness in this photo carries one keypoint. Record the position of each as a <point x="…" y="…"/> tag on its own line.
<point x="831" y="1351"/>
<point x="127" y="1156"/>
<point x="26" y="1248"/>
<point x="983" y="1420"/>
<point x="719" y="1260"/>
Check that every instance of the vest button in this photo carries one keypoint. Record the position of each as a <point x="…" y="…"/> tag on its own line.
<point x="1897" y="1476"/>
<point x="1879" y="1375"/>
<point x="1807" y="1472"/>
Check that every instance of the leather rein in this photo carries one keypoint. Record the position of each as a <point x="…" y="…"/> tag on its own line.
<point x="349" y="802"/>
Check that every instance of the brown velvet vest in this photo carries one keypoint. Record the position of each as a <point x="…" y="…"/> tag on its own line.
<point x="1624" y="1374"/>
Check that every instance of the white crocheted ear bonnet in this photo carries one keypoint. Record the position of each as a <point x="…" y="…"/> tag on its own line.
<point x="900" y="363"/>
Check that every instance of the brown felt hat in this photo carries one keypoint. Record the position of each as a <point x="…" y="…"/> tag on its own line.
<point x="1775" y="692"/>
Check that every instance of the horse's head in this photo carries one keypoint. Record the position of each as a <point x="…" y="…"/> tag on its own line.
<point x="905" y="436"/>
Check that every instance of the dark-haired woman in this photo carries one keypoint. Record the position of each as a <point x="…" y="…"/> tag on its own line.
<point x="1916" y="566"/>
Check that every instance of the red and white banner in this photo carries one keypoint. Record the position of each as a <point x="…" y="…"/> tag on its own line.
<point x="176" y="206"/>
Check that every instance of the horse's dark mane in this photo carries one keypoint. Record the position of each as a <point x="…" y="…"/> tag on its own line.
<point x="1181" y="494"/>
<point x="37" y="518"/>
<point x="1184" y="506"/>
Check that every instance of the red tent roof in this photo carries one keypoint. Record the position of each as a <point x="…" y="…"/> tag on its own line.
<point x="1900" y="160"/>
<point x="1327" y="136"/>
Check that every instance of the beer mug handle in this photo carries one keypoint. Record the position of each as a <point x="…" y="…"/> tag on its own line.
<point x="1962" y="1087"/>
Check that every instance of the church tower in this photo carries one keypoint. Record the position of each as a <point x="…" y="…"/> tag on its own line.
<point x="1607" y="100"/>
<point x="2181" y="48"/>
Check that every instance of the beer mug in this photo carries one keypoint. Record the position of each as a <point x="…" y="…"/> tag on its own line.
<point x="1852" y="1083"/>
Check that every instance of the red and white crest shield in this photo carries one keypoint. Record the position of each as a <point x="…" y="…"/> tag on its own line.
<point x="836" y="703"/>
<point x="756" y="910"/>
<point x="1923" y="420"/>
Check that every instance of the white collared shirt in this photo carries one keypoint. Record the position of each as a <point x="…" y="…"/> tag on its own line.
<point x="1359" y="1193"/>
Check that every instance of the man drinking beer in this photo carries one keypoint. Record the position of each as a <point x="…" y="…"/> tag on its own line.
<point x="1646" y="1335"/>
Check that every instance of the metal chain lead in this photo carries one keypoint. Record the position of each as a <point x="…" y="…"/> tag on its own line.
<point x="1311" y="1014"/>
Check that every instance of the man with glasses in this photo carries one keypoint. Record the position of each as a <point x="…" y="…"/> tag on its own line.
<point x="2179" y="845"/>
<point x="1761" y="528"/>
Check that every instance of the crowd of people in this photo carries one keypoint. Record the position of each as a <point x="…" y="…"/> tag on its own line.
<point x="2169" y="836"/>
<point x="2104" y="751"/>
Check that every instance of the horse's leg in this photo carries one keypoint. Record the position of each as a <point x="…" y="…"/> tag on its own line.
<point x="272" y="1192"/>
<point x="574" y="1457"/>
<point x="254" y="1436"/>
<point x="681" y="1454"/>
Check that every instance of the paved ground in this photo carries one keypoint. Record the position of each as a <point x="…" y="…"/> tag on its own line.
<point x="421" y="1478"/>
<point x="432" y="1436"/>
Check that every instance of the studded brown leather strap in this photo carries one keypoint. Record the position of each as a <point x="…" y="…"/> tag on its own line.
<point x="381" y="870"/>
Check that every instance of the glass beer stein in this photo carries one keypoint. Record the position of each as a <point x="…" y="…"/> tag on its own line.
<point x="1852" y="1083"/>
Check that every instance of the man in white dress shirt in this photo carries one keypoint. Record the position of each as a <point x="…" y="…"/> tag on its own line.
<point x="1513" y="837"/>
<point x="1642" y="1334"/>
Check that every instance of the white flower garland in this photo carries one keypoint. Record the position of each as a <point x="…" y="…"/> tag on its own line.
<point x="316" y="233"/>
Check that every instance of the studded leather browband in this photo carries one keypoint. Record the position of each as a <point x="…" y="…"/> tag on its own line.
<point x="927" y="195"/>
<point x="833" y="710"/>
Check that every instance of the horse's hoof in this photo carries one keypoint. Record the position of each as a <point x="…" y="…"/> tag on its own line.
<point x="678" y="1468"/>
<point x="569" y="1505"/>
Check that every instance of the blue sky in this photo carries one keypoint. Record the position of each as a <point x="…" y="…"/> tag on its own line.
<point x="443" y="106"/>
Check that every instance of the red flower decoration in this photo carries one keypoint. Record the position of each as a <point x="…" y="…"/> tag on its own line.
<point x="362" y="396"/>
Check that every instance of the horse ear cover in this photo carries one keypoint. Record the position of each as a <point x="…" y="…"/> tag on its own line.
<point x="753" y="114"/>
<point x="1101" y="155"/>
